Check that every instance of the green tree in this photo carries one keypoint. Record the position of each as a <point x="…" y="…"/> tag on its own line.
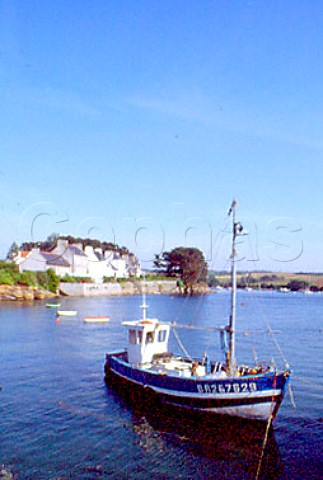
<point x="6" y="278"/>
<point x="27" y="278"/>
<point x="13" y="250"/>
<point x="186" y="263"/>
<point x="296" y="285"/>
<point x="11" y="269"/>
<point x="42" y="279"/>
<point x="50" y="242"/>
<point x="53" y="280"/>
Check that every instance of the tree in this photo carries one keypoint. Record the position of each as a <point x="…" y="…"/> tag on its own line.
<point x="13" y="250"/>
<point x="296" y="285"/>
<point x="28" y="279"/>
<point x="53" y="280"/>
<point x="186" y="263"/>
<point x="6" y="278"/>
<point x="50" y="242"/>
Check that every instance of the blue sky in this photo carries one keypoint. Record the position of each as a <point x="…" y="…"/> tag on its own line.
<point x="138" y="122"/>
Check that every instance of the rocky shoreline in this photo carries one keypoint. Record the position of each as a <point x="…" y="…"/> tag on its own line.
<point x="23" y="293"/>
<point x="126" y="288"/>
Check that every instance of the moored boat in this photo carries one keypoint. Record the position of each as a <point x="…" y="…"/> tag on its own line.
<point x="53" y="305"/>
<point x="97" y="319"/>
<point x="218" y="387"/>
<point x="66" y="313"/>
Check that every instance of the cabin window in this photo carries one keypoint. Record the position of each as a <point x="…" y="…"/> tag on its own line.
<point x="132" y="336"/>
<point x="162" y="335"/>
<point x="150" y="337"/>
<point x="139" y="336"/>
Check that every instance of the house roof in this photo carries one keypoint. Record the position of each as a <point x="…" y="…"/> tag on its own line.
<point x="76" y="250"/>
<point x="55" y="259"/>
<point x="99" y="255"/>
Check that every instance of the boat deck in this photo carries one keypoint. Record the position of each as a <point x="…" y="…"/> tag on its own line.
<point x="181" y="367"/>
<point x="172" y="365"/>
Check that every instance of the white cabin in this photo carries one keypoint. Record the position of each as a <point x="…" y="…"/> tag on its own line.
<point x="146" y="338"/>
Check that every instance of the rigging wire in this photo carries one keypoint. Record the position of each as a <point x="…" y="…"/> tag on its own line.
<point x="278" y="347"/>
<point x="181" y="345"/>
<point x="217" y="241"/>
<point x="269" y="328"/>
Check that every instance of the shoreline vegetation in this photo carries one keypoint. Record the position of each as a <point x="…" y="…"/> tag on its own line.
<point x="31" y="286"/>
<point x="159" y="284"/>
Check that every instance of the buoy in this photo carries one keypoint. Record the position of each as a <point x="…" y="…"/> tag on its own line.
<point x="58" y="320"/>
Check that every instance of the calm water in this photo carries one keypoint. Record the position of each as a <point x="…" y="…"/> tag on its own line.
<point x="60" y="421"/>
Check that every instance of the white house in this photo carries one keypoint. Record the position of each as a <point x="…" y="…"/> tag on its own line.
<point x="73" y="260"/>
<point x="75" y="256"/>
<point x="37" y="261"/>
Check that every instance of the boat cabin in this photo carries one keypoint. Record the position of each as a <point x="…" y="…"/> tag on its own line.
<point x="146" y="338"/>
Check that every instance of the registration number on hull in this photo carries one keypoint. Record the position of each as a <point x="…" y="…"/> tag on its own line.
<point x="227" y="387"/>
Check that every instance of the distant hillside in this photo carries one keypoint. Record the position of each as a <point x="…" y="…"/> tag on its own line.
<point x="270" y="280"/>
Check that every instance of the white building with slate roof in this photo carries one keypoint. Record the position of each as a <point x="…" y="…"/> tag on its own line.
<point x="71" y="259"/>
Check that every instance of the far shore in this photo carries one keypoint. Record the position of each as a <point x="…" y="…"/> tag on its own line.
<point x="253" y="281"/>
<point x="118" y="288"/>
<point x="30" y="294"/>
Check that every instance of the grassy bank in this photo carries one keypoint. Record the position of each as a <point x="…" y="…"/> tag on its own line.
<point x="271" y="280"/>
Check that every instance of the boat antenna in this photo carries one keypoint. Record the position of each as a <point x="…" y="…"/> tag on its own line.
<point x="236" y="230"/>
<point x="144" y="305"/>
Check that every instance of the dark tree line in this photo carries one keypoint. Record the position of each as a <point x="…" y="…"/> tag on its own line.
<point x="51" y="241"/>
<point x="187" y="264"/>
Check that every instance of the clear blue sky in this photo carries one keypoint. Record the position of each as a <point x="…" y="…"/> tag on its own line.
<point x="139" y="121"/>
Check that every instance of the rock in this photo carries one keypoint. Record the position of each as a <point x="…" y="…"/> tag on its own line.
<point x="28" y="295"/>
<point x="23" y="293"/>
<point x="200" y="289"/>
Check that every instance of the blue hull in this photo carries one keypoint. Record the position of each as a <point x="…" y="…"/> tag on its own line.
<point x="254" y="397"/>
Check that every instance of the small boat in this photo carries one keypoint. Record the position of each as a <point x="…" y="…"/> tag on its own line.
<point x="97" y="319"/>
<point x="66" y="313"/>
<point x="219" y="387"/>
<point x="53" y="305"/>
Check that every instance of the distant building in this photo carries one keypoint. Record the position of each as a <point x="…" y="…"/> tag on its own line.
<point x="72" y="259"/>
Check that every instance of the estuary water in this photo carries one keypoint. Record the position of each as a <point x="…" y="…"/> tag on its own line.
<point x="59" y="420"/>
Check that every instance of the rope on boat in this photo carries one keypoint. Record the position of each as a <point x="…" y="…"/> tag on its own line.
<point x="291" y="396"/>
<point x="264" y="443"/>
<point x="269" y="423"/>
<point x="181" y="345"/>
<point x="287" y="366"/>
<point x="277" y="344"/>
<point x="221" y="329"/>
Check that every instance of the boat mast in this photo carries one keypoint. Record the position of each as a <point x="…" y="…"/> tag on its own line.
<point x="144" y="305"/>
<point x="236" y="227"/>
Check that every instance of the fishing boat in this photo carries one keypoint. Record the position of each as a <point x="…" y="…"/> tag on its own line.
<point x="252" y="392"/>
<point x="97" y="319"/>
<point x="66" y="313"/>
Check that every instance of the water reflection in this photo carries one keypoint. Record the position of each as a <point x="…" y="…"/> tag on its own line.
<point x="230" y="447"/>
